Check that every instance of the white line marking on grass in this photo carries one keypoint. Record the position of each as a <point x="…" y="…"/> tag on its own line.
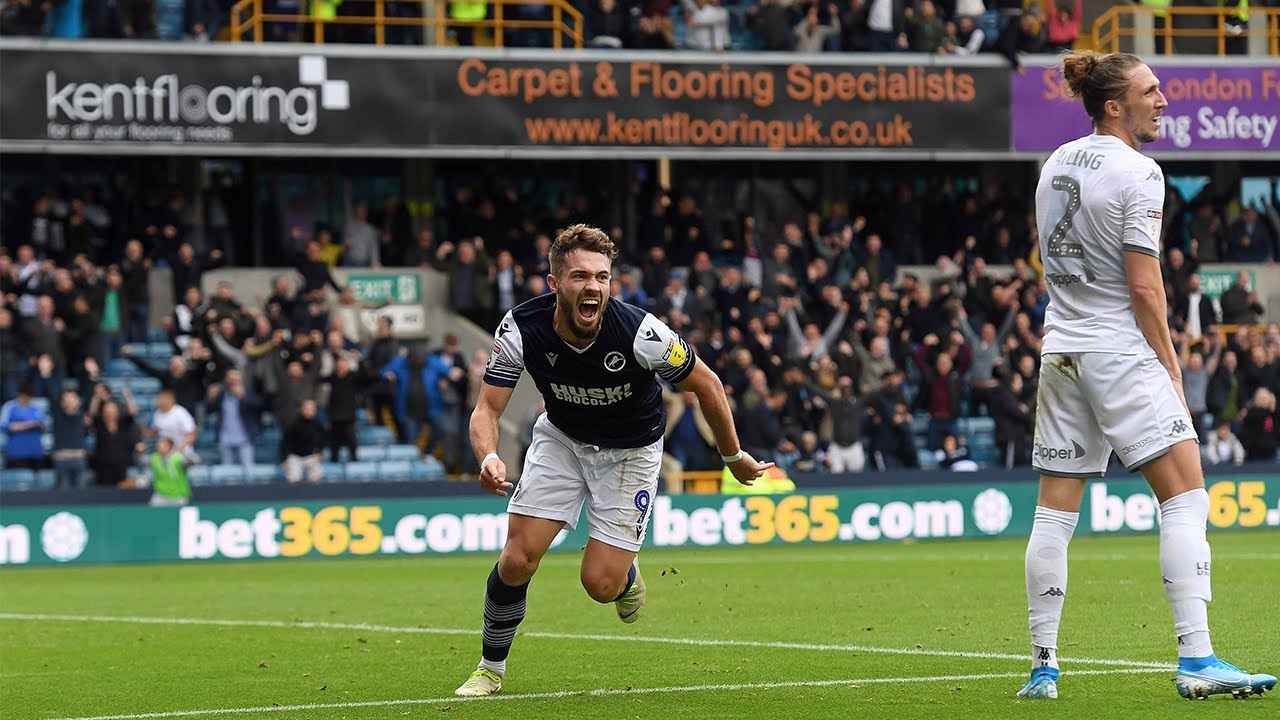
<point x="600" y="692"/>
<point x="776" y="645"/>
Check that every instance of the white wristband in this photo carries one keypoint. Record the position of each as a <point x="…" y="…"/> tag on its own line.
<point x="732" y="458"/>
<point x="487" y="458"/>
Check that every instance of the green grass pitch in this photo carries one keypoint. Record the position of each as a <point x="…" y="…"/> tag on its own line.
<point x="925" y="630"/>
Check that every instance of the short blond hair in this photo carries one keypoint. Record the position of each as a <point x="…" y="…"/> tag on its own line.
<point x="579" y="237"/>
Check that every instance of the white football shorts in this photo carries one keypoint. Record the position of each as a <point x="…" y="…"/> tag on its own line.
<point x="1092" y="403"/>
<point x="618" y="485"/>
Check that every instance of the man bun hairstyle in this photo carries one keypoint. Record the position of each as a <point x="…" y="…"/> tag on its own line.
<point x="579" y="237"/>
<point x="1096" y="78"/>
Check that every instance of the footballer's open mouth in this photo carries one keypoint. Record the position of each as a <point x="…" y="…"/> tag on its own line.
<point x="588" y="308"/>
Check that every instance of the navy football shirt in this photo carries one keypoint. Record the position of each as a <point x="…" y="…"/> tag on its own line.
<point x="607" y="394"/>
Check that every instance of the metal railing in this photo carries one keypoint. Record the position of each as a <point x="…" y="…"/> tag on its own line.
<point x="248" y="18"/>
<point x="1119" y="23"/>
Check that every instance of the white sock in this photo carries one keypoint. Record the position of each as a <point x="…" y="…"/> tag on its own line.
<point x="497" y="667"/>
<point x="1184" y="565"/>
<point x="1047" y="580"/>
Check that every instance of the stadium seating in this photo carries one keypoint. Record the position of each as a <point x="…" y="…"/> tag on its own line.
<point x="403" y="452"/>
<point x="17" y="479"/>
<point x="199" y="475"/>
<point x="395" y="470"/>
<point x="262" y="474"/>
<point x="361" y="472"/>
<point x="333" y="472"/>
<point x="226" y="475"/>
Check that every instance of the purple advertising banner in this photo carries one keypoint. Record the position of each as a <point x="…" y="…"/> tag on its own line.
<point x="1234" y="108"/>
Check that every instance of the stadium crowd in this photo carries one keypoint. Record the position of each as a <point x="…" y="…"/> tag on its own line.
<point x="833" y="358"/>
<point x="961" y="27"/>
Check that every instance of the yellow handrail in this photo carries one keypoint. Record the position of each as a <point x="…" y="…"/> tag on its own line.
<point x="1117" y="23"/>
<point x="247" y="17"/>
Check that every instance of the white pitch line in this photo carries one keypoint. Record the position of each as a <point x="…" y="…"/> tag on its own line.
<point x="776" y="645"/>
<point x="600" y="692"/>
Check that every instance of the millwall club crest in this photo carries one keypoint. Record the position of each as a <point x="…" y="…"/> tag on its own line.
<point x="613" y="362"/>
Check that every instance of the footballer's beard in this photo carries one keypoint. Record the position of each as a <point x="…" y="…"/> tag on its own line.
<point x="1148" y="131"/>
<point x="582" y="329"/>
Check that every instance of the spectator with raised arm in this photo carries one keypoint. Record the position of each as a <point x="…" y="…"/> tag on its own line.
<point x="169" y="486"/>
<point x="811" y="34"/>
<point x="117" y="437"/>
<point x="708" y="25"/>
<point x="237" y="409"/>
<point x="1064" y="25"/>
<point x="185" y="380"/>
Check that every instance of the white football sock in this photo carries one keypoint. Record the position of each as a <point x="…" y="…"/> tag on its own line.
<point x="1184" y="564"/>
<point x="1047" y="580"/>
<point x="497" y="667"/>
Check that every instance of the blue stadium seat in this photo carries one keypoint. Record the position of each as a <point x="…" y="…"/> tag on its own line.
<point x="45" y="480"/>
<point x="395" y="470"/>
<point x="136" y="348"/>
<point x="42" y="403"/>
<point x="426" y="470"/>
<point x="17" y="479"/>
<point x="142" y="385"/>
<point x="46" y="441"/>
<point x="403" y="452"/>
<point x="361" y="472"/>
<point x="927" y="459"/>
<point x="376" y="435"/>
<point x="264" y="474"/>
<point x="199" y="475"/>
<point x="121" y="368"/>
<point x="371" y="453"/>
<point x="207" y="438"/>
<point x="226" y="475"/>
<point x="159" y="350"/>
<point x="333" y="472"/>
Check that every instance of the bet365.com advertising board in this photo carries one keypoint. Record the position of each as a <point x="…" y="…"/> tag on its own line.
<point x="235" y="531"/>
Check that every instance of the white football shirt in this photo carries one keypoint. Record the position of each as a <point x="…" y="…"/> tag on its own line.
<point x="175" y="424"/>
<point x="1097" y="198"/>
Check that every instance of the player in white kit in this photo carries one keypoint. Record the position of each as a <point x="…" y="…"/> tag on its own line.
<point x="596" y="362"/>
<point x="1109" y="377"/>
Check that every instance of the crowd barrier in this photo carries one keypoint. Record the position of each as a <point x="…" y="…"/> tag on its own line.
<point x="935" y="506"/>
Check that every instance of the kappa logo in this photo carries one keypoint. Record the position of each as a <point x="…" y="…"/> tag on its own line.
<point x="1179" y="427"/>
<point x="551" y="358"/>
<point x="1053" y="592"/>
<point x="1155" y="176"/>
